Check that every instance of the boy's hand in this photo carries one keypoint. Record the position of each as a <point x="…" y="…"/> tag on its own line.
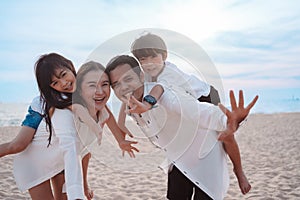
<point x="125" y="145"/>
<point x="237" y="115"/>
<point x="137" y="106"/>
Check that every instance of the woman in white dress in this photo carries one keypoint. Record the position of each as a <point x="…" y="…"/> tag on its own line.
<point x="43" y="153"/>
<point x="46" y="152"/>
<point x="93" y="92"/>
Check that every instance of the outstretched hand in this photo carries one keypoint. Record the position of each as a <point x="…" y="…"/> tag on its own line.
<point x="126" y="145"/>
<point x="135" y="106"/>
<point x="238" y="113"/>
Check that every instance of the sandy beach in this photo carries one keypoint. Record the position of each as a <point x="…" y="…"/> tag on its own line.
<point x="269" y="146"/>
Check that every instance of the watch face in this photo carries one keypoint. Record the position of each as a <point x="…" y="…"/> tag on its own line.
<point x="150" y="99"/>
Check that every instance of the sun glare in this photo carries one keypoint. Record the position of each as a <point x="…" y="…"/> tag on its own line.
<point x="198" y="20"/>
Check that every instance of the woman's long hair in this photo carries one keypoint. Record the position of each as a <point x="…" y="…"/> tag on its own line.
<point x="45" y="68"/>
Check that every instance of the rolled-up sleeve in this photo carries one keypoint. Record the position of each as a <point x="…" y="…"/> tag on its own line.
<point x="64" y="129"/>
<point x="35" y="114"/>
<point x="32" y="119"/>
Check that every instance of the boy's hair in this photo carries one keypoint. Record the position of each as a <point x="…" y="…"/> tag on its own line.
<point x="121" y="60"/>
<point x="83" y="70"/>
<point x="148" y="45"/>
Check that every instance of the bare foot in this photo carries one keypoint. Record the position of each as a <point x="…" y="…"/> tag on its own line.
<point x="243" y="182"/>
<point x="88" y="193"/>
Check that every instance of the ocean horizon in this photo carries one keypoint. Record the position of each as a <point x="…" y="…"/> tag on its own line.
<point x="270" y="101"/>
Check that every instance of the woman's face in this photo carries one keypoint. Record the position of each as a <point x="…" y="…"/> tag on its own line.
<point x="63" y="80"/>
<point x="95" y="90"/>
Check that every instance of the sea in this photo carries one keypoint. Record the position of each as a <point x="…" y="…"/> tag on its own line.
<point x="270" y="101"/>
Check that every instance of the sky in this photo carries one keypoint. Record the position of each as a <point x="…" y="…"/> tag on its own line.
<point x="254" y="45"/>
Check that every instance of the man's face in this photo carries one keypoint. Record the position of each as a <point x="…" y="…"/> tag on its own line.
<point x="125" y="82"/>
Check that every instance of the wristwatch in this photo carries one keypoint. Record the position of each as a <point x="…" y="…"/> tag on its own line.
<point x="150" y="99"/>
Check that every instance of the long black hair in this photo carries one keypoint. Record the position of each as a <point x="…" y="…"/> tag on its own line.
<point x="45" y="68"/>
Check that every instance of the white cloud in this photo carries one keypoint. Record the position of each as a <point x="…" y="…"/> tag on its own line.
<point x="241" y="37"/>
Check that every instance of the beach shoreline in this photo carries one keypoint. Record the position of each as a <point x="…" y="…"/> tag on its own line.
<point x="270" y="152"/>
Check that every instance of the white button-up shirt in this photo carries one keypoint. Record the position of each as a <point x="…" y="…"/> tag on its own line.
<point x="186" y="130"/>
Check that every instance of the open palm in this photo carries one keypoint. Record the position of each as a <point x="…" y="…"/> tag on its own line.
<point x="127" y="146"/>
<point x="238" y="112"/>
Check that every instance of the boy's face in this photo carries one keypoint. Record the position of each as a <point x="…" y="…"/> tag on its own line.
<point x="153" y="65"/>
<point x="125" y="82"/>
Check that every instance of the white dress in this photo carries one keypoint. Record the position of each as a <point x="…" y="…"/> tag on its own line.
<point x="38" y="163"/>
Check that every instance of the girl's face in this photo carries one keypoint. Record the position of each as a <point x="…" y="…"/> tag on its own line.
<point x="63" y="80"/>
<point x="95" y="90"/>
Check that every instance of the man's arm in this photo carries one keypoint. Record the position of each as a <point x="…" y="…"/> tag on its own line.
<point x="206" y="115"/>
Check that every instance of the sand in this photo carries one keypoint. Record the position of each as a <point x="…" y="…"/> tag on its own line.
<point x="269" y="146"/>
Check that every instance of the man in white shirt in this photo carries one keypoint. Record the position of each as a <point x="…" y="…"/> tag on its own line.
<point x="185" y="129"/>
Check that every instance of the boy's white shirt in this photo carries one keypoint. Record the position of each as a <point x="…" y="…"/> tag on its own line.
<point x="173" y="77"/>
<point x="186" y="130"/>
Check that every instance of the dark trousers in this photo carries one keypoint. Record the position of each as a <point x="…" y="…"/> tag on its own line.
<point x="213" y="97"/>
<point x="181" y="188"/>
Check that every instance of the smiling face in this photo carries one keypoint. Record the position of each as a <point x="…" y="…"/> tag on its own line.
<point x="95" y="90"/>
<point x="125" y="81"/>
<point x="153" y="65"/>
<point x="63" y="80"/>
